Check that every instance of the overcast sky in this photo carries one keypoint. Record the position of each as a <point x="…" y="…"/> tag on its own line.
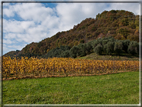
<point x="24" y="23"/>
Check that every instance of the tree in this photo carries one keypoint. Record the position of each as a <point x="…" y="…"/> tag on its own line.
<point x="65" y="54"/>
<point x="125" y="45"/>
<point x="104" y="42"/>
<point x="112" y="39"/>
<point x="96" y="42"/>
<point x="94" y="28"/>
<point x="124" y="32"/>
<point x="132" y="25"/>
<point x="109" y="48"/>
<point x="56" y="52"/>
<point x="89" y="48"/>
<point x="118" y="47"/>
<point x="98" y="49"/>
<point x="74" y="51"/>
<point x="125" y="22"/>
<point x="82" y="49"/>
<point x="82" y="41"/>
<point x="133" y="47"/>
<point x="17" y="50"/>
<point x="64" y="48"/>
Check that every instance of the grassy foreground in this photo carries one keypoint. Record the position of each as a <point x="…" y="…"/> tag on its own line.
<point x="122" y="88"/>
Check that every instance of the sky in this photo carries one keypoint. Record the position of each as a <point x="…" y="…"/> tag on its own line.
<point x="24" y="23"/>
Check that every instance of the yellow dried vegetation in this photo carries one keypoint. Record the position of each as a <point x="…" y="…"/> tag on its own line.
<point x="16" y="68"/>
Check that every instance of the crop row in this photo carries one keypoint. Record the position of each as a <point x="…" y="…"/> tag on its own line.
<point x="62" y="66"/>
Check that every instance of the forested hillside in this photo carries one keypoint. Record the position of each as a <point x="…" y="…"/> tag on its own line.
<point x="117" y="24"/>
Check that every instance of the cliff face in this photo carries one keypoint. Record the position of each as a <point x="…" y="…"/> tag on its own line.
<point x="117" y="23"/>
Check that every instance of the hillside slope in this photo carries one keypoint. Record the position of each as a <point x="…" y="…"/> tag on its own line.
<point x="119" y="24"/>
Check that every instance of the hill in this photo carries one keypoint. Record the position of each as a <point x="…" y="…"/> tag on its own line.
<point x="119" y="24"/>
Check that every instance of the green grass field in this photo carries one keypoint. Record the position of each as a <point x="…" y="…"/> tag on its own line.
<point x="122" y="88"/>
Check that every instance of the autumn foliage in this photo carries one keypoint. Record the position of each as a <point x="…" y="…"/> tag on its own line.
<point x="34" y="67"/>
<point x="120" y="24"/>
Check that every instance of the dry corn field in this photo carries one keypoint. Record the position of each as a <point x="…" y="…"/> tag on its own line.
<point x="34" y="67"/>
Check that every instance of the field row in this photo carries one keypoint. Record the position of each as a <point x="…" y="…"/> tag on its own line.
<point x="62" y="66"/>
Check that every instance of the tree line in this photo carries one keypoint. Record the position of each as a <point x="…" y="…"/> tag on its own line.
<point x="105" y="46"/>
